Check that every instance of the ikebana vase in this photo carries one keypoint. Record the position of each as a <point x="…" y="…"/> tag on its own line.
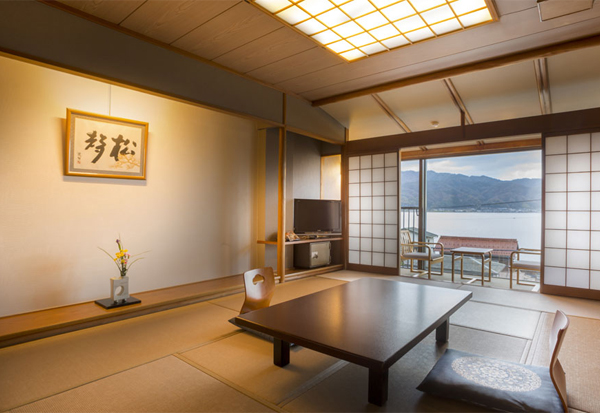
<point x="119" y="294"/>
<point x="119" y="288"/>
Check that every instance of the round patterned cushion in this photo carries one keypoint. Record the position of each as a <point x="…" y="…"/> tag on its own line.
<point x="496" y="384"/>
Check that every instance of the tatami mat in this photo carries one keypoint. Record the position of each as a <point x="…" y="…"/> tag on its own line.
<point x="579" y="357"/>
<point x="346" y="390"/>
<point x="165" y="385"/>
<point x="497" y="319"/>
<point x="45" y="367"/>
<point x="535" y="301"/>
<point x="192" y="359"/>
<point x="354" y="275"/>
<point x="247" y="361"/>
<point x="283" y="292"/>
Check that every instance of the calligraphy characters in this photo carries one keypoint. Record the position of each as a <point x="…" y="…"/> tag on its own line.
<point x="120" y="146"/>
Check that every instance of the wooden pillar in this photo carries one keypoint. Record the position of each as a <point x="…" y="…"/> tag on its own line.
<point x="281" y="206"/>
<point x="422" y="204"/>
<point x="344" y="198"/>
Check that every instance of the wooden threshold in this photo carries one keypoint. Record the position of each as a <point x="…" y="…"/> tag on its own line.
<point x="22" y="328"/>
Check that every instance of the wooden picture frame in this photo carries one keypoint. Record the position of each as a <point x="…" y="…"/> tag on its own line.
<point x="104" y="146"/>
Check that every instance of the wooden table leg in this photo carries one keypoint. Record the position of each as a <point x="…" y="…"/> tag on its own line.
<point x="378" y="386"/>
<point x="281" y="352"/>
<point x="442" y="333"/>
<point x="483" y="268"/>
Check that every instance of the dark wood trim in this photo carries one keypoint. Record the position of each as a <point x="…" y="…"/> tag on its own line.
<point x="374" y="269"/>
<point x="478" y="148"/>
<point x="457" y="100"/>
<point x="549" y="124"/>
<point x="570" y="291"/>
<point x="345" y="208"/>
<point x="546" y="51"/>
<point x="300" y="131"/>
<point x="388" y="111"/>
<point x="540" y="67"/>
<point x="281" y="205"/>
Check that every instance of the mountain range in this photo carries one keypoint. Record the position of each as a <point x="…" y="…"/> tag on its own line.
<point x="457" y="192"/>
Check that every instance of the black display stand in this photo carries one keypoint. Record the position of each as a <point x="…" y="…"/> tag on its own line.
<point x="108" y="303"/>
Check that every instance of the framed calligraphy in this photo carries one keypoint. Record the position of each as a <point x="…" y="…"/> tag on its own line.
<point x="105" y="146"/>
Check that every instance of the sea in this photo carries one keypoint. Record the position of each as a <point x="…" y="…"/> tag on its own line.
<point x="526" y="227"/>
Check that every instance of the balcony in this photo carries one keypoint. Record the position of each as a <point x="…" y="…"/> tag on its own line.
<point x="502" y="249"/>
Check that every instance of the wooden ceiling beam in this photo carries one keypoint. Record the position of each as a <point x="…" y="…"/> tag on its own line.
<point x="479" y="147"/>
<point x="538" y="53"/>
<point x="458" y="102"/>
<point x="543" y="85"/>
<point x="556" y="123"/>
<point x="388" y="111"/>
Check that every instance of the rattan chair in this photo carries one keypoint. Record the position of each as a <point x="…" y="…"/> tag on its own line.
<point x="421" y="251"/>
<point x="518" y="264"/>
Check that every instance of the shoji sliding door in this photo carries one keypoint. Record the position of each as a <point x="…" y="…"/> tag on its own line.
<point x="373" y="206"/>
<point x="572" y="215"/>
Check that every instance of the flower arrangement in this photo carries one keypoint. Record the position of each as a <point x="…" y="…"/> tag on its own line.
<point x="123" y="259"/>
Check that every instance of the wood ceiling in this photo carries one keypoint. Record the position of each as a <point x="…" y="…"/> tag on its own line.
<point x="240" y="37"/>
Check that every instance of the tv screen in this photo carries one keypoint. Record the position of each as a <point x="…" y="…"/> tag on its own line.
<point x="317" y="215"/>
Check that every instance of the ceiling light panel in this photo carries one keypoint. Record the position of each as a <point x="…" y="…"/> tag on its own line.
<point x="354" y="29"/>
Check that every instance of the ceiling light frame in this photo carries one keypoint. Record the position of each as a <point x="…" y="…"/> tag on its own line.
<point x="373" y="17"/>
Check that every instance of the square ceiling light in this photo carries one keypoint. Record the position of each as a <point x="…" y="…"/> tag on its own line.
<point x="356" y="29"/>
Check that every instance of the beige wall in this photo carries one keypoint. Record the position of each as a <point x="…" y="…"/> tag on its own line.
<point x="194" y="213"/>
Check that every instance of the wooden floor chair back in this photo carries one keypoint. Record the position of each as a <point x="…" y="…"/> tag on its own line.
<point x="260" y="286"/>
<point x="557" y="374"/>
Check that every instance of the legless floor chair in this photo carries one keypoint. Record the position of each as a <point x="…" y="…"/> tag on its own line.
<point x="501" y="385"/>
<point x="260" y="287"/>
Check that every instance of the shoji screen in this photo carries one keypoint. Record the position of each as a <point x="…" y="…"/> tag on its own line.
<point x="572" y="214"/>
<point x="373" y="212"/>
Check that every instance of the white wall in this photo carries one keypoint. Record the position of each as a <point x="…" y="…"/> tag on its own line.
<point x="194" y="213"/>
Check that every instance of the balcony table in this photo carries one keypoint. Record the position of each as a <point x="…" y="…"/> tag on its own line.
<point x="459" y="253"/>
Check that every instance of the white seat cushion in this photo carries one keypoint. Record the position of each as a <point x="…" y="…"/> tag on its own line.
<point x="526" y="265"/>
<point x="421" y="255"/>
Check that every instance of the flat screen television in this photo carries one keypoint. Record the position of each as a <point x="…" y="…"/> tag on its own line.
<point x="317" y="216"/>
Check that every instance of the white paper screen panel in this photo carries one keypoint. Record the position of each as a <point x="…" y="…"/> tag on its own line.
<point x="572" y="211"/>
<point x="373" y="210"/>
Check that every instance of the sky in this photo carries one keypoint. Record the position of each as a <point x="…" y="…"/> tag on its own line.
<point x="503" y="166"/>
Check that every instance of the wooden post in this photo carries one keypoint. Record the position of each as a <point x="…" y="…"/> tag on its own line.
<point x="281" y="207"/>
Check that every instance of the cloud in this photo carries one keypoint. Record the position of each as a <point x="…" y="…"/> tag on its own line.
<point x="503" y="166"/>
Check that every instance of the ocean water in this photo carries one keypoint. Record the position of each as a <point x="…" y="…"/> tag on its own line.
<point x="526" y="227"/>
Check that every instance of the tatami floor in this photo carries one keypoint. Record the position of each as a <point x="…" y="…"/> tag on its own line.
<point x="190" y="359"/>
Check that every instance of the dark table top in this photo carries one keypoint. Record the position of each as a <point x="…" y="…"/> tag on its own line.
<point x="370" y="322"/>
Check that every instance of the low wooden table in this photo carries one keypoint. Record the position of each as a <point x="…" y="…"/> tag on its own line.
<point x="370" y="322"/>
<point x="458" y="254"/>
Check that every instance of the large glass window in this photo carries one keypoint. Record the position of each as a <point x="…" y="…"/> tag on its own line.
<point x="486" y="201"/>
